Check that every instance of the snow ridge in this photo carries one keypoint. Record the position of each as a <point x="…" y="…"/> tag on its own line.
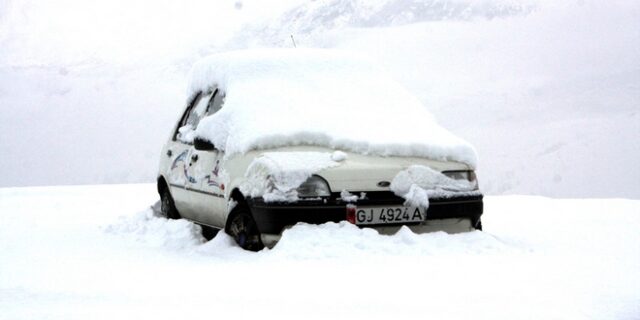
<point x="313" y="17"/>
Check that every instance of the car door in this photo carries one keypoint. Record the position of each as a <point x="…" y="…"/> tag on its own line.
<point x="208" y="191"/>
<point x="181" y="177"/>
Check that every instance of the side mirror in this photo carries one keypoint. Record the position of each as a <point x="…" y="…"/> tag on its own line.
<point x="203" y="145"/>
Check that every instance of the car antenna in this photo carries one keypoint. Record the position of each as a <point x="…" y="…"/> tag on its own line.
<point x="294" y="41"/>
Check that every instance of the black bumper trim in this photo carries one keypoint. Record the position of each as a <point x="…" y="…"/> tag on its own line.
<point x="272" y="218"/>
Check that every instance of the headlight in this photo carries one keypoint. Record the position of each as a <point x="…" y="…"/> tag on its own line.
<point x="467" y="175"/>
<point x="314" y="187"/>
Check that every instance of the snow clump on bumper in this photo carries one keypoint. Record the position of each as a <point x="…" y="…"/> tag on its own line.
<point x="417" y="183"/>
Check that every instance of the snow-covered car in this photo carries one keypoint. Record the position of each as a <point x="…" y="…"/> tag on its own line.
<point x="274" y="137"/>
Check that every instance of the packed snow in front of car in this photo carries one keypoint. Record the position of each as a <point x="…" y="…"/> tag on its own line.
<point x="285" y="97"/>
<point x="417" y="183"/>
<point x="274" y="176"/>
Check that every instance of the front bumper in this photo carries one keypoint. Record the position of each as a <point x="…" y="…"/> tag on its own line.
<point x="273" y="218"/>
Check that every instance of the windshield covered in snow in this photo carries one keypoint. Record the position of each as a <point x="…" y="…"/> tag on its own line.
<point x="329" y="98"/>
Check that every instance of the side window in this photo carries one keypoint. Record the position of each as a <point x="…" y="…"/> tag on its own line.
<point x="186" y="113"/>
<point x="215" y="103"/>
<point x="191" y="118"/>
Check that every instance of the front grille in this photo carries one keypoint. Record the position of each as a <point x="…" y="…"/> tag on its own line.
<point x="390" y="197"/>
<point x="373" y="196"/>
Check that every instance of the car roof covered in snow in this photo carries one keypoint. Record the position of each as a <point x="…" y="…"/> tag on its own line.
<point x="330" y="98"/>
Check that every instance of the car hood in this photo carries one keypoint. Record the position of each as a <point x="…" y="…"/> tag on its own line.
<point x="358" y="172"/>
<point x="364" y="173"/>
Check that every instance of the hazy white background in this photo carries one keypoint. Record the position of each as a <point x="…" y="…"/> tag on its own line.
<point x="547" y="91"/>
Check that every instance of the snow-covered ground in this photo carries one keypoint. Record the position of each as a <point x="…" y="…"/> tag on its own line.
<point x="98" y="252"/>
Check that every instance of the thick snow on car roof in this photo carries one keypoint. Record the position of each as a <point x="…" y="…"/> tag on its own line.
<point x="285" y="97"/>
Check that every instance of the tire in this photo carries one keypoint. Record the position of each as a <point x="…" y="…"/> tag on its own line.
<point x="242" y="227"/>
<point x="167" y="206"/>
<point x="479" y="225"/>
<point x="208" y="232"/>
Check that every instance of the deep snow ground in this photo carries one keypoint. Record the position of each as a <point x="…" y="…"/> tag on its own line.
<point x="98" y="252"/>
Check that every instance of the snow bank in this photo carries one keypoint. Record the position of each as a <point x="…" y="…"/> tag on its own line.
<point x="344" y="240"/>
<point x="274" y="176"/>
<point x="303" y="241"/>
<point x="417" y="183"/>
<point x="151" y="229"/>
<point x="283" y="97"/>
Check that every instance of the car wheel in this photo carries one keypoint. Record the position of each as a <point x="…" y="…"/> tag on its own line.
<point x="244" y="230"/>
<point x="479" y="225"/>
<point x="167" y="206"/>
<point x="208" y="232"/>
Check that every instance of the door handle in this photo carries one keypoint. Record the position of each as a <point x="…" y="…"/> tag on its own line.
<point x="169" y="153"/>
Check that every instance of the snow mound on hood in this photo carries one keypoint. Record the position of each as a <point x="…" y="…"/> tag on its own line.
<point x="285" y="97"/>
<point x="274" y="176"/>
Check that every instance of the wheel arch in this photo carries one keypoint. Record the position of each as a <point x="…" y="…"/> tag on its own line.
<point x="162" y="185"/>
<point x="237" y="196"/>
<point x="242" y="212"/>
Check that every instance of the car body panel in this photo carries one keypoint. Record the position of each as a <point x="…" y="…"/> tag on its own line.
<point x="177" y="174"/>
<point x="208" y="191"/>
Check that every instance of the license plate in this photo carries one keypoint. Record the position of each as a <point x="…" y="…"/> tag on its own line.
<point x="389" y="215"/>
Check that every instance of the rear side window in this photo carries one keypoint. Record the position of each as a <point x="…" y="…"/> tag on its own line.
<point x="191" y="118"/>
<point x="216" y="101"/>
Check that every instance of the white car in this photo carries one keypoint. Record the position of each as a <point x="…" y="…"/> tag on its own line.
<point x="272" y="138"/>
